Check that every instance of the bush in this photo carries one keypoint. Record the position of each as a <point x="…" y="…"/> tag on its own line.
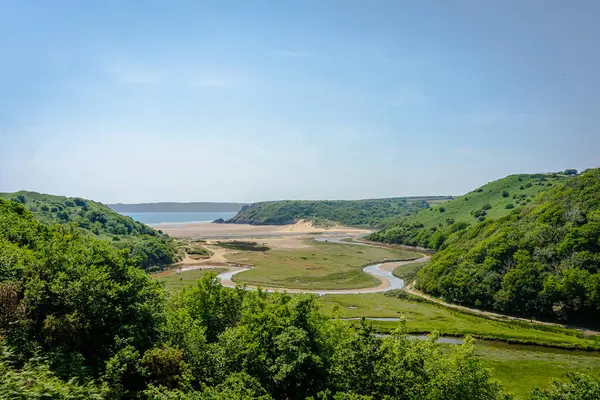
<point x="509" y="206"/>
<point x="442" y="209"/>
<point x="505" y="193"/>
<point x="578" y="387"/>
<point x="478" y="213"/>
<point x="21" y="199"/>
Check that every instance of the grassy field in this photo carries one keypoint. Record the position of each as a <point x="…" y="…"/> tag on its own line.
<point x="317" y="265"/>
<point x="522" y="368"/>
<point x="426" y="317"/>
<point x="175" y="282"/>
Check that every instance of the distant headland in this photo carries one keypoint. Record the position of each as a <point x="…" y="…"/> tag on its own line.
<point x="166" y="207"/>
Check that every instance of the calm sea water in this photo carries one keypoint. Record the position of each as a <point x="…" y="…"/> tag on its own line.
<point x="164" y="218"/>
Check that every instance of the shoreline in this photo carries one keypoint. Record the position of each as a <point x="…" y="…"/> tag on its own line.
<point x="204" y="230"/>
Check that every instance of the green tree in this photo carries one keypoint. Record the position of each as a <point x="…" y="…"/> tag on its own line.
<point x="577" y="387"/>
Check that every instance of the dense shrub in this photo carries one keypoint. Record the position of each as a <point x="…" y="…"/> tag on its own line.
<point x="375" y="212"/>
<point x="146" y="246"/>
<point x="578" y="387"/>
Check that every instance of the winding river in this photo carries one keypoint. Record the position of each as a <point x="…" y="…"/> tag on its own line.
<point x="379" y="271"/>
<point x="383" y="272"/>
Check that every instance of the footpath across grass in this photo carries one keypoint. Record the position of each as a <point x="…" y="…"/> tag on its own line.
<point x="315" y="265"/>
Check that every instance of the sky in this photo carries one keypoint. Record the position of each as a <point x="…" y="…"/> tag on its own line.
<point x="160" y="100"/>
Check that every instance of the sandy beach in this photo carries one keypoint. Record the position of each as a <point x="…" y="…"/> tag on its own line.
<point x="203" y="230"/>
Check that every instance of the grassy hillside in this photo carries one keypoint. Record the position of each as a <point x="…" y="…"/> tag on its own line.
<point x="430" y="228"/>
<point x="373" y="212"/>
<point x="148" y="248"/>
<point x="542" y="260"/>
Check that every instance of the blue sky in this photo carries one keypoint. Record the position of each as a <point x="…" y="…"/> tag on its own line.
<point x="133" y="101"/>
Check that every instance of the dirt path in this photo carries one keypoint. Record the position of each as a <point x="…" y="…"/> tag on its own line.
<point x="491" y="315"/>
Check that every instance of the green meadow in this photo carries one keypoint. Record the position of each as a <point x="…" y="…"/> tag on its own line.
<point x="316" y="265"/>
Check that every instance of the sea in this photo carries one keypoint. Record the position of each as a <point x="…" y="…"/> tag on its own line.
<point x="158" y="218"/>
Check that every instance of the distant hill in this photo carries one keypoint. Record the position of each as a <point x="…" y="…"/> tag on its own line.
<point x="170" y="207"/>
<point x="371" y="212"/>
<point x="430" y="228"/>
<point x="542" y="260"/>
<point x="149" y="248"/>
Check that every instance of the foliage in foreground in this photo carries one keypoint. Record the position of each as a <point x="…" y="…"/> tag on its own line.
<point x="542" y="260"/>
<point x="148" y="248"/>
<point x="79" y="320"/>
<point x="374" y="212"/>
<point x="431" y="228"/>
<point x="217" y="343"/>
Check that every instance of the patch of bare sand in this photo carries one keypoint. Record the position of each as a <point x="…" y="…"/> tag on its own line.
<point x="217" y="259"/>
<point x="210" y="230"/>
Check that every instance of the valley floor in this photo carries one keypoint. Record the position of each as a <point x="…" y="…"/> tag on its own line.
<point x="296" y="261"/>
